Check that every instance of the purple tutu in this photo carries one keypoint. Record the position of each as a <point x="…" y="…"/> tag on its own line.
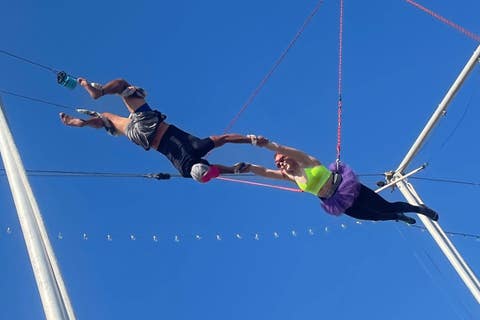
<point x="346" y="193"/>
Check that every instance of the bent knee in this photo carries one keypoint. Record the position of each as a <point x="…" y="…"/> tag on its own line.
<point x="116" y="86"/>
<point x="122" y="82"/>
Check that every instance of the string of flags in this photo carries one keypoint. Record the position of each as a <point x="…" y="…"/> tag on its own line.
<point x="256" y="236"/>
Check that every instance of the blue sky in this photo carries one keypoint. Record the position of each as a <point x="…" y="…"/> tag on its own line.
<point x="199" y="62"/>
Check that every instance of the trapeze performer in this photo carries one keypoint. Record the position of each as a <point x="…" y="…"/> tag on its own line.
<point x="148" y="129"/>
<point x="338" y="189"/>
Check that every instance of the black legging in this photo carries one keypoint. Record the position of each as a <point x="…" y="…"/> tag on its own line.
<point x="371" y="206"/>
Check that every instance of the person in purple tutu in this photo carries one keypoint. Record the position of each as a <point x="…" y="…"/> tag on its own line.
<point x="337" y="187"/>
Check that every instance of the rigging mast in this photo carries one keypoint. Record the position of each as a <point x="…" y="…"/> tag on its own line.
<point x="462" y="268"/>
<point x="53" y="293"/>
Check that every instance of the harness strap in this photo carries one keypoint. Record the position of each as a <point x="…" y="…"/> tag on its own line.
<point x="336" y="181"/>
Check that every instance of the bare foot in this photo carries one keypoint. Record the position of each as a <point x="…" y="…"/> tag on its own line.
<point x="71" y="121"/>
<point x="82" y="81"/>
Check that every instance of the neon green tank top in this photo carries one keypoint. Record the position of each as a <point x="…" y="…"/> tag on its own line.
<point x="316" y="178"/>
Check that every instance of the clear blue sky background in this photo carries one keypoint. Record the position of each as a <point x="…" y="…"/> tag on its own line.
<point x="200" y="61"/>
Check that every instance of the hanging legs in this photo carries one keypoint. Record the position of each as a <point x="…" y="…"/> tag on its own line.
<point x="371" y="206"/>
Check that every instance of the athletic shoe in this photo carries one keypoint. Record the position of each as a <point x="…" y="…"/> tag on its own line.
<point x="406" y="219"/>
<point x="432" y="214"/>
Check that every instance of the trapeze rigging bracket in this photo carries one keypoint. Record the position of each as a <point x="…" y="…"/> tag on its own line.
<point x="392" y="178"/>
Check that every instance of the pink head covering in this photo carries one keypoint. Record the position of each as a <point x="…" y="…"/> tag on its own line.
<point x="213" y="172"/>
<point x="203" y="172"/>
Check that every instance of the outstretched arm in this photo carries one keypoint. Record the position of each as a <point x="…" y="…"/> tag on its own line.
<point x="233" y="138"/>
<point x="267" y="173"/>
<point x="240" y="167"/>
<point x="243" y="167"/>
<point x="300" y="156"/>
<point x="225" y="169"/>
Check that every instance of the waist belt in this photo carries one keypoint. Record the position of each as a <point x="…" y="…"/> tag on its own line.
<point x="336" y="181"/>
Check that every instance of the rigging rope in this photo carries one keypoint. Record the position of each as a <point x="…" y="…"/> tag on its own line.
<point x="275" y="66"/>
<point x="463" y="234"/>
<point x="63" y="78"/>
<point x="58" y="173"/>
<point x="470" y="183"/>
<point x="457" y="125"/>
<point x="165" y="176"/>
<point x="260" y="184"/>
<point x="445" y="20"/>
<point x="37" y="100"/>
<point x="339" y="104"/>
<point x="158" y="176"/>
<point x="28" y="61"/>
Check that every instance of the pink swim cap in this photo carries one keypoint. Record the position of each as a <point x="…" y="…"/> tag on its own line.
<point x="203" y="172"/>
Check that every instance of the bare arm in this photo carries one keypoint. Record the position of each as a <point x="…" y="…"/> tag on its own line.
<point x="300" y="156"/>
<point x="225" y="169"/>
<point x="267" y="173"/>
<point x="242" y="167"/>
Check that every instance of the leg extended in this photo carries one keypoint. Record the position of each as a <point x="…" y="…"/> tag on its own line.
<point x="133" y="97"/>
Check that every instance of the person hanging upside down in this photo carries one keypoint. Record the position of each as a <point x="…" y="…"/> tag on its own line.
<point x="147" y="128"/>
<point x="339" y="190"/>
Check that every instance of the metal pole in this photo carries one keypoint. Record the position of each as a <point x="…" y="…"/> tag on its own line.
<point x="394" y="182"/>
<point x="463" y="270"/>
<point x="441" y="109"/>
<point x="55" y="300"/>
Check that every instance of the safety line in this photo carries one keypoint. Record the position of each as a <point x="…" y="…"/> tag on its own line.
<point x="339" y="104"/>
<point x="260" y="184"/>
<point x="447" y="180"/>
<point x="162" y="175"/>
<point x="446" y="21"/>
<point x="28" y="61"/>
<point x="277" y="63"/>
<point x="57" y="173"/>
<point x="460" y="120"/>
<point x="463" y="234"/>
<point x="37" y="100"/>
<point x="158" y="176"/>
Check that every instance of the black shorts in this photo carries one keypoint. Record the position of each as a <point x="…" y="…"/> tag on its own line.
<point x="143" y="125"/>
<point x="184" y="149"/>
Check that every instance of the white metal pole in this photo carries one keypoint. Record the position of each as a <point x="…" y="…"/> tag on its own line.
<point x="55" y="300"/>
<point x="394" y="182"/>
<point x="441" y="109"/>
<point x="463" y="270"/>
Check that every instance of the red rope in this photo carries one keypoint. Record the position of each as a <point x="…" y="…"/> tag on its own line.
<point x="260" y="184"/>
<point x="340" y="58"/>
<point x="277" y="63"/>
<point x="446" y="21"/>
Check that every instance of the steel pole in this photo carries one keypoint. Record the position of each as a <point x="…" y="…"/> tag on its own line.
<point x="53" y="294"/>
<point x="462" y="268"/>
<point x="447" y="247"/>
<point x="441" y="109"/>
